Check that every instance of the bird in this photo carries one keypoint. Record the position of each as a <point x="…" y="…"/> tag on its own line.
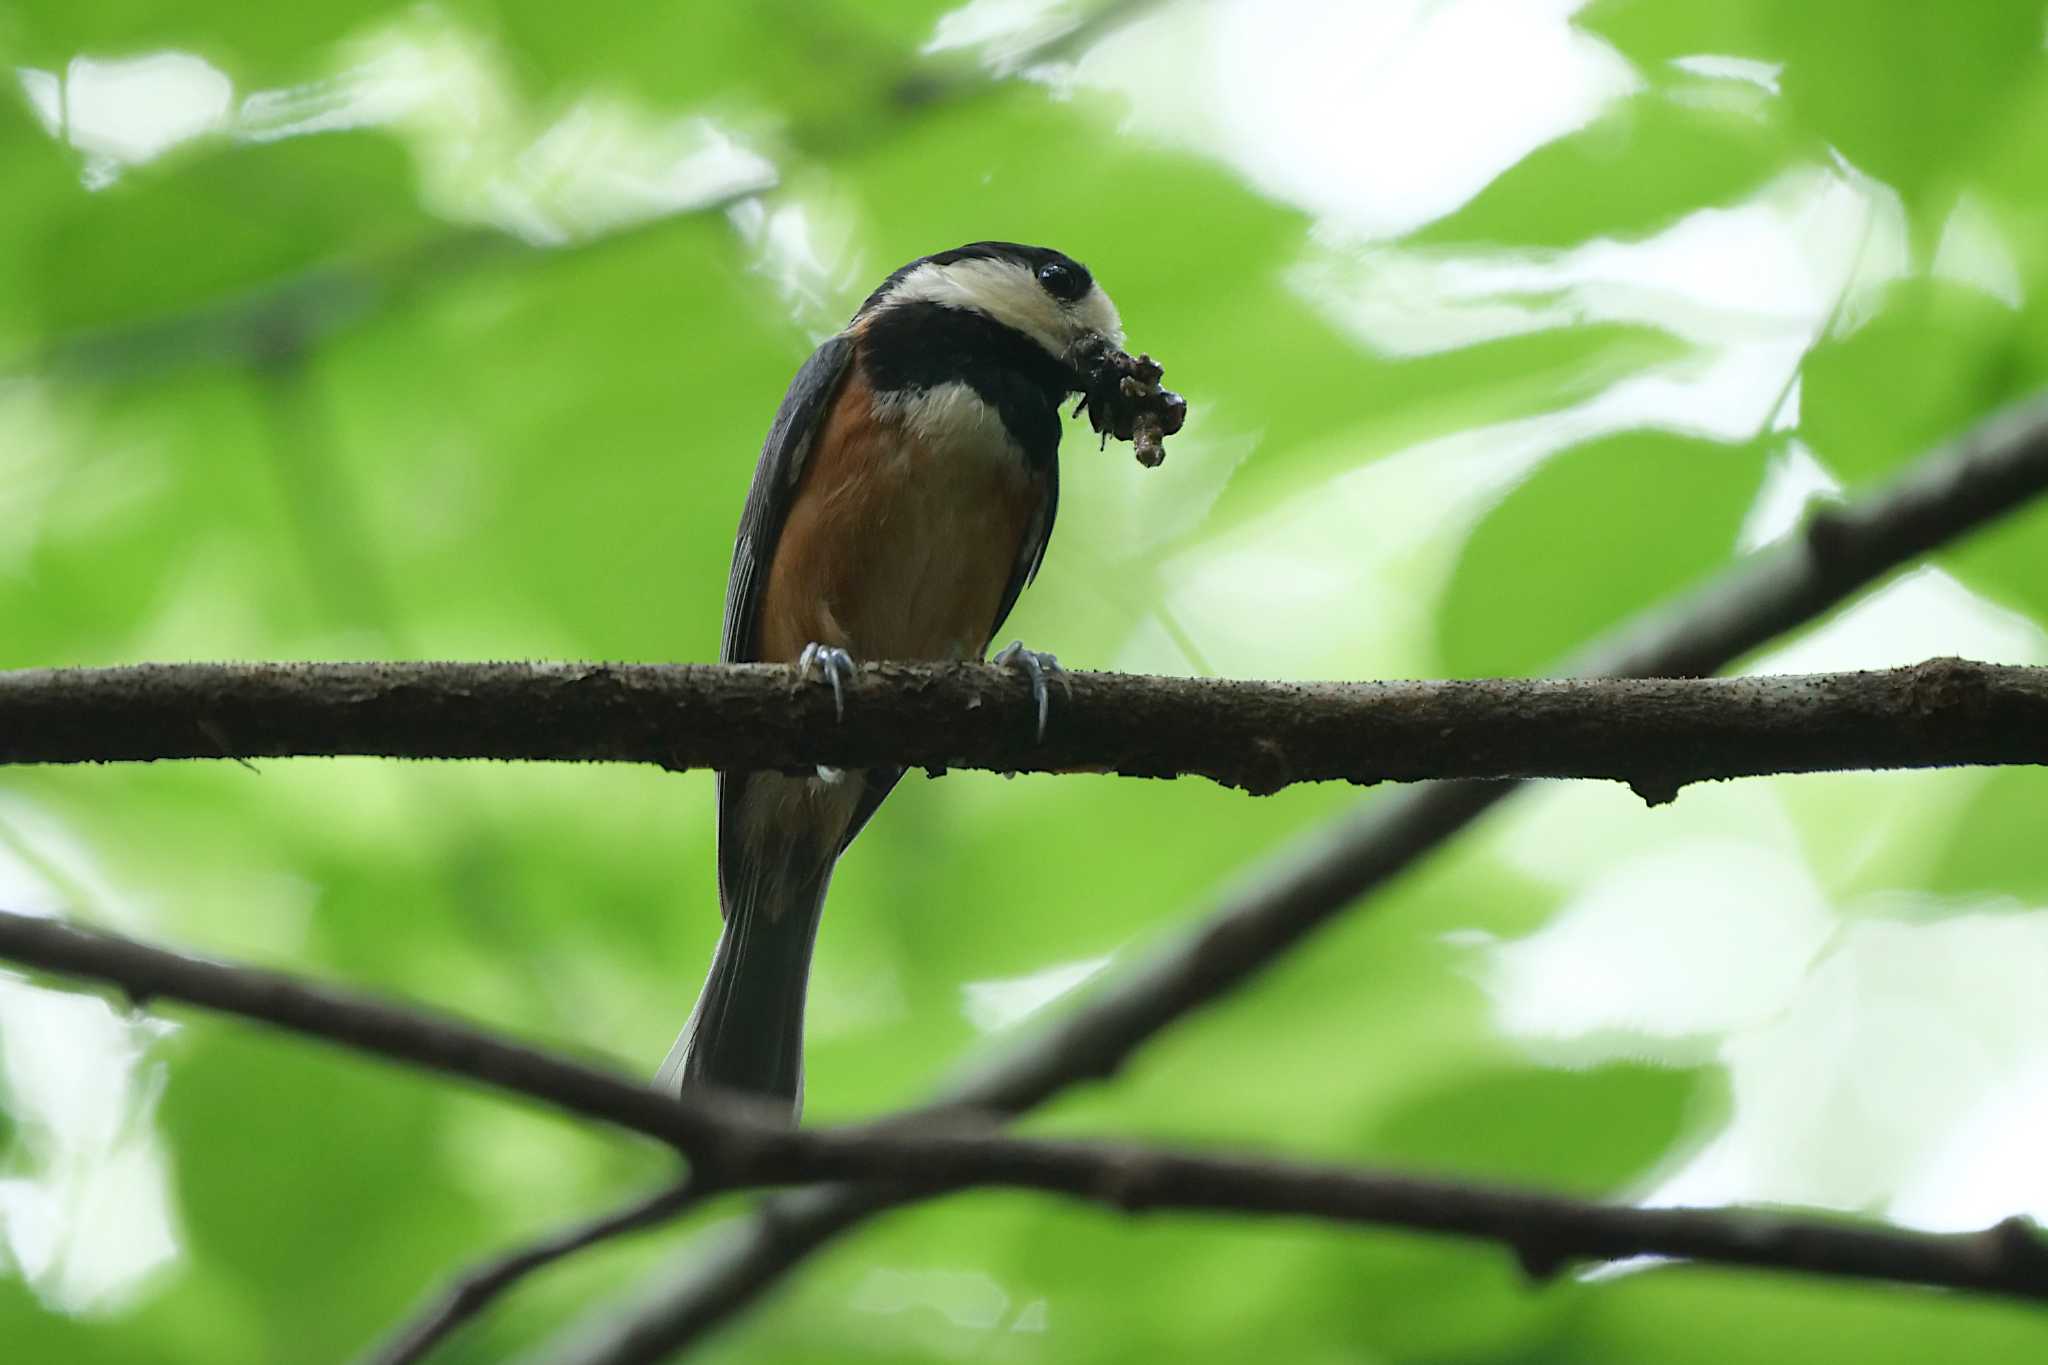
<point x="903" y="499"/>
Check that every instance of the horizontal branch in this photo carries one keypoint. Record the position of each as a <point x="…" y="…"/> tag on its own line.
<point x="730" y="1146"/>
<point x="1656" y="734"/>
<point x="1546" y="1232"/>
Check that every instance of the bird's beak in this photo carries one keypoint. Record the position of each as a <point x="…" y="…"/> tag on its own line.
<point x="1090" y="351"/>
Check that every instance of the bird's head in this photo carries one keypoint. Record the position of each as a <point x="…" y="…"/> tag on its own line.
<point x="1043" y="294"/>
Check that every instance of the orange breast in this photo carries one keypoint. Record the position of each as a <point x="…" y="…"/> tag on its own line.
<point x="899" y="542"/>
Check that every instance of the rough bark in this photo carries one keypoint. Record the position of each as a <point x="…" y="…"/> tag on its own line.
<point x="1655" y="733"/>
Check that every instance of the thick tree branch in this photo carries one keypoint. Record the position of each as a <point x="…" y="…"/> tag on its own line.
<point x="941" y="1153"/>
<point x="1657" y="734"/>
<point x="1942" y="497"/>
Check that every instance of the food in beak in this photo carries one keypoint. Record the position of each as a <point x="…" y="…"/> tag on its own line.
<point x="1123" y="399"/>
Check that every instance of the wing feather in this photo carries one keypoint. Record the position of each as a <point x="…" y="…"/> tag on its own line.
<point x="775" y="479"/>
<point x="1031" y="553"/>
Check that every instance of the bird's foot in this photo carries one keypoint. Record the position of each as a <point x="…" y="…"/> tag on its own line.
<point x="1038" y="667"/>
<point x="832" y="665"/>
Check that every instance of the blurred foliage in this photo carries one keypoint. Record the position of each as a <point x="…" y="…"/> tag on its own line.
<point x="355" y="329"/>
<point x="1514" y="605"/>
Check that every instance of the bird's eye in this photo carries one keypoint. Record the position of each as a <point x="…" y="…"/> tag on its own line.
<point x="1063" y="281"/>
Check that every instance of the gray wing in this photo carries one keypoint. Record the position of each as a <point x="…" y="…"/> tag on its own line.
<point x="1031" y="553"/>
<point x="775" y="480"/>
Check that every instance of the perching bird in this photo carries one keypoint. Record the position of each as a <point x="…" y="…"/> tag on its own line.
<point x="903" y="500"/>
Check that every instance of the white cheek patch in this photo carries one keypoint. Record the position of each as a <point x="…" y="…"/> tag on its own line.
<point x="1011" y="294"/>
<point x="950" y="419"/>
<point x="1096" y="313"/>
<point x="1004" y="290"/>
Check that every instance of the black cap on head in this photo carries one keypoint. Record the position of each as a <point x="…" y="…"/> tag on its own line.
<point x="1059" y="274"/>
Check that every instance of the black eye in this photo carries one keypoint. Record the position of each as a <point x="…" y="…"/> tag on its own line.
<point x="1063" y="280"/>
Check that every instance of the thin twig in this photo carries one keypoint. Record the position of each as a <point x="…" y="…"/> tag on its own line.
<point x="1656" y="734"/>
<point x="468" y="1296"/>
<point x="1947" y="494"/>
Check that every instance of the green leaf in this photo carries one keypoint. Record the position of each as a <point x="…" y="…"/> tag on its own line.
<point x="1993" y="854"/>
<point x="256" y="45"/>
<point x="1597" y="533"/>
<point x="1528" y="1125"/>
<point x="1899" y="87"/>
<point x="1904" y="91"/>
<point x="1687" y="1315"/>
<point x="1681" y="156"/>
<point x="1933" y="357"/>
<point x="2008" y="561"/>
<point x="220" y="220"/>
<point x="836" y="71"/>
<point x="1655" y="32"/>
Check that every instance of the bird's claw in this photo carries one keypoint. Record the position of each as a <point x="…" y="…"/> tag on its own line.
<point x="1038" y="667"/>
<point x="833" y="665"/>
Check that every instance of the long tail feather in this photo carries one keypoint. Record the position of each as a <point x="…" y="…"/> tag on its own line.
<point x="747" y="1031"/>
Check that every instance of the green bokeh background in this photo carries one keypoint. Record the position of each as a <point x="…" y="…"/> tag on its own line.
<point x="466" y="377"/>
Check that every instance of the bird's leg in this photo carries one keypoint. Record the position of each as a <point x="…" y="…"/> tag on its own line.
<point x="1037" y="667"/>
<point x="833" y="665"/>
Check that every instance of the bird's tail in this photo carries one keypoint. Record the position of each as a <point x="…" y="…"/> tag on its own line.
<point x="747" y="1032"/>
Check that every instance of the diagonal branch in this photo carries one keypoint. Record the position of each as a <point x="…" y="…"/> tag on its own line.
<point x="439" y="1043"/>
<point x="470" y="1294"/>
<point x="730" y="1146"/>
<point x="1656" y="734"/>
<point x="1942" y="497"/>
